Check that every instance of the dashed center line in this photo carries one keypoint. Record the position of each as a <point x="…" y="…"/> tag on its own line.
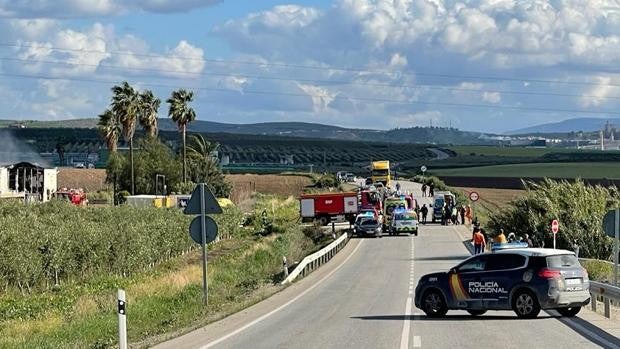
<point x="404" y="339"/>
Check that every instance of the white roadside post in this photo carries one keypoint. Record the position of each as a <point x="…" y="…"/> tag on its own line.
<point x="122" y="320"/>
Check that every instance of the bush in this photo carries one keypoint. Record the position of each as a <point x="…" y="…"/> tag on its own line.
<point x="599" y="270"/>
<point x="326" y="181"/>
<point x="579" y="209"/>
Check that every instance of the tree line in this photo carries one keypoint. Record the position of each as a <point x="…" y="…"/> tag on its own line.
<point x="130" y="108"/>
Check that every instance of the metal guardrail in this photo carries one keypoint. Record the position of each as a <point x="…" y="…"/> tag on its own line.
<point x="315" y="260"/>
<point x="607" y="293"/>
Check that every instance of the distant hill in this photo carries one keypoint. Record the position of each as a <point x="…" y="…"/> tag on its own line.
<point x="437" y="135"/>
<point x="570" y="125"/>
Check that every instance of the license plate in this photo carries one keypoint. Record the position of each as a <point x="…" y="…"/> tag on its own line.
<point x="573" y="282"/>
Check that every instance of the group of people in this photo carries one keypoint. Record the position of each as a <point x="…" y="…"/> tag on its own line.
<point x="480" y="238"/>
<point x="428" y="190"/>
<point x="453" y="214"/>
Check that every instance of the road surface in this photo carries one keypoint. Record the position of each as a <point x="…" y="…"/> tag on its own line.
<point x="439" y="154"/>
<point x="365" y="301"/>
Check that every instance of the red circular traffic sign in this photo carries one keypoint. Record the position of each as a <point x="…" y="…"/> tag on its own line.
<point x="555" y="226"/>
<point x="473" y="196"/>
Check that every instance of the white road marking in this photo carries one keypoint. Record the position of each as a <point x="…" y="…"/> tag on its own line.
<point x="404" y="338"/>
<point x="417" y="342"/>
<point x="263" y="317"/>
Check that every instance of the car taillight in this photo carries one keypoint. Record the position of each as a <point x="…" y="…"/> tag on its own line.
<point x="547" y="273"/>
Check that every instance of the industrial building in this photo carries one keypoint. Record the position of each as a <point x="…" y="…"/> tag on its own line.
<point x="28" y="181"/>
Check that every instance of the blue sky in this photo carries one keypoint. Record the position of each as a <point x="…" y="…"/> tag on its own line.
<point x="489" y="65"/>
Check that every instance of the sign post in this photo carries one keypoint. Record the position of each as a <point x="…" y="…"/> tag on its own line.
<point x="555" y="227"/>
<point x="611" y="226"/>
<point x="423" y="169"/>
<point x="473" y="196"/>
<point x="203" y="229"/>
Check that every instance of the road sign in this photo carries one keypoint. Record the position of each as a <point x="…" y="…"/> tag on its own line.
<point x="195" y="229"/>
<point x="473" y="196"/>
<point x="203" y="228"/>
<point x="210" y="202"/>
<point x="611" y="226"/>
<point x="555" y="226"/>
<point x="423" y="168"/>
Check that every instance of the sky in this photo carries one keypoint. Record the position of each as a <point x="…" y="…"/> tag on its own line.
<point x="482" y="65"/>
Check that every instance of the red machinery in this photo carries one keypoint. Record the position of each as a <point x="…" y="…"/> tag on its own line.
<point x="371" y="199"/>
<point x="325" y="206"/>
<point x="75" y="196"/>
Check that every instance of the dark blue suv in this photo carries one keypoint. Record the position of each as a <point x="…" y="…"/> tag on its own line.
<point x="524" y="280"/>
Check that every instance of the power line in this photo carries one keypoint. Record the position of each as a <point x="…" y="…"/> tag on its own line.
<point x="344" y="98"/>
<point x="316" y="67"/>
<point x="315" y="81"/>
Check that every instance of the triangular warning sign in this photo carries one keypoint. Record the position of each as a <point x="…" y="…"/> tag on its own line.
<point x="210" y="202"/>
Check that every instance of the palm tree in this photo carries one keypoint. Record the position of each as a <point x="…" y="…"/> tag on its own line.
<point x="201" y="148"/>
<point x="126" y="104"/>
<point x="149" y="105"/>
<point x="182" y="114"/>
<point x="110" y="129"/>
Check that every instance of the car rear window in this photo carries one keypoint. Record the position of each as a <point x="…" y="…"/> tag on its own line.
<point x="563" y="261"/>
<point x="370" y="222"/>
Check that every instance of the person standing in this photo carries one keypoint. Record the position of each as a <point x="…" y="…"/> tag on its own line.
<point x="529" y="241"/>
<point x="424" y="211"/>
<point x="424" y="190"/>
<point x="454" y="215"/>
<point x="462" y="214"/>
<point x="468" y="214"/>
<point x="479" y="241"/>
<point x="431" y="190"/>
<point x="501" y="238"/>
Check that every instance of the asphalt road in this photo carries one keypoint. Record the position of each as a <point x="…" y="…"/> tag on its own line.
<point x="366" y="302"/>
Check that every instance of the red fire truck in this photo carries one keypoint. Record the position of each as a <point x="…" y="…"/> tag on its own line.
<point x="324" y="207"/>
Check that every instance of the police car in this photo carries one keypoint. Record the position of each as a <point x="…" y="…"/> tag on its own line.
<point x="524" y="280"/>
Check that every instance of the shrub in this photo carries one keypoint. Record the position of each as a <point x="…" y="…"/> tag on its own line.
<point x="578" y="207"/>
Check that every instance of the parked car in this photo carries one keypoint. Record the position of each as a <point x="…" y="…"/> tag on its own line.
<point x="525" y="280"/>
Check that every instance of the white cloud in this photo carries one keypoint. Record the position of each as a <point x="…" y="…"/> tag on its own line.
<point x="491" y="97"/>
<point x="93" y="8"/>
<point x="596" y="95"/>
<point x="321" y="97"/>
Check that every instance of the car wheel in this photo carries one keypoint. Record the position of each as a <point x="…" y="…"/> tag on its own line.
<point x="323" y="221"/>
<point x="476" y="312"/>
<point x="525" y="304"/>
<point x="434" y="304"/>
<point x="569" y="312"/>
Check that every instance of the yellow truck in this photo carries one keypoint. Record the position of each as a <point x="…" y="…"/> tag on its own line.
<point x="380" y="172"/>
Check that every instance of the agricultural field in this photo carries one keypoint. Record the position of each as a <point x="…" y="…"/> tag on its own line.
<point x="493" y="198"/>
<point x="64" y="264"/>
<point x="609" y="170"/>
<point x="245" y="184"/>
<point x="507" y="151"/>
<point x="90" y="180"/>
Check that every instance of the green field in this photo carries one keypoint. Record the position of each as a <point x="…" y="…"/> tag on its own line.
<point x="556" y="170"/>
<point x="510" y="151"/>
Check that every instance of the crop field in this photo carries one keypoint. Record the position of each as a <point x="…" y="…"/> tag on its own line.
<point x="609" y="170"/>
<point x="508" y="151"/>
<point x="494" y="197"/>
<point x="244" y="185"/>
<point x="88" y="179"/>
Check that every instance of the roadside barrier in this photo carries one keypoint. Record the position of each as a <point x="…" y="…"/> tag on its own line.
<point x="318" y="258"/>
<point x="607" y="293"/>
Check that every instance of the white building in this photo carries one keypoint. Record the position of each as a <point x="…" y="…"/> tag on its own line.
<point x="27" y="180"/>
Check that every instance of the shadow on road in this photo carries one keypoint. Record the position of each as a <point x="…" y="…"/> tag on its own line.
<point x="588" y="331"/>
<point x="443" y="258"/>
<point x="446" y="318"/>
